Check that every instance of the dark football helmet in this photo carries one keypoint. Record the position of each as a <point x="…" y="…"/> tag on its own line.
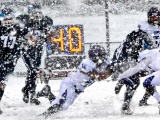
<point x="153" y="16"/>
<point x="35" y="12"/>
<point x="97" y="53"/>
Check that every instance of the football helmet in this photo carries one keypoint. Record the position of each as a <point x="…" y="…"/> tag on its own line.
<point x="97" y="53"/>
<point x="8" y="17"/>
<point x="138" y="40"/>
<point x="35" y="12"/>
<point x="153" y="15"/>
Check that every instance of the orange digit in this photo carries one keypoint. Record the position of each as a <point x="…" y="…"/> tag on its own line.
<point x="60" y="39"/>
<point x="77" y="30"/>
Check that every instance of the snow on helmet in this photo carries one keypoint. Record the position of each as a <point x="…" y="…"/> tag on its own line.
<point x="35" y="12"/>
<point x="97" y="53"/>
<point x="153" y="15"/>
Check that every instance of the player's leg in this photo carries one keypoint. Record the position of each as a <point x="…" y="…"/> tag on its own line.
<point x="66" y="97"/>
<point x="120" y="68"/>
<point x="143" y="101"/>
<point x="156" y="82"/>
<point x="29" y="90"/>
<point x="149" y="90"/>
<point x="5" y="70"/>
<point x="46" y="92"/>
<point x="33" y="76"/>
<point x="118" y="86"/>
<point x="2" y="87"/>
<point x="128" y="96"/>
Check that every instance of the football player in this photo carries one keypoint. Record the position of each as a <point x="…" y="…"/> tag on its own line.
<point x="11" y="45"/>
<point x="126" y="56"/>
<point x="90" y="69"/>
<point x="149" y="59"/>
<point x="39" y="27"/>
<point x="151" y="28"/>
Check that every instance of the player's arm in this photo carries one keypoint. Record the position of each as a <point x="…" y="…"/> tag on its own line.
<point x="100" y="76"/>
<point x="140" y="66"/>
<point x="106" y="74"/>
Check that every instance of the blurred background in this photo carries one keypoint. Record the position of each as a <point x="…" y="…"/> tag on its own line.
<point x="90" y="7"/>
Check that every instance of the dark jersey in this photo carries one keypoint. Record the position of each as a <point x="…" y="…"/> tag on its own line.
<point x="38" y="28"/>
<point x="10" y="42"/>
<point x="127" y="53"/>
<point x="130" y="48"/>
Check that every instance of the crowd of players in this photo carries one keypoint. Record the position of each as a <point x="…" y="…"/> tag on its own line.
<point x="24" y="36"/>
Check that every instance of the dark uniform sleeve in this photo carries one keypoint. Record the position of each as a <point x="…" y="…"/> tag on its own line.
<point x="49" y="20"/>
<point x="48" y="25"/>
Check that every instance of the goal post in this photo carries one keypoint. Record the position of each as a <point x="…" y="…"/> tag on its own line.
<point x="107" y="27"/>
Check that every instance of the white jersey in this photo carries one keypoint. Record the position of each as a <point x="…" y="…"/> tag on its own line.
<point x="76" y="82"/>
<point x="149" y="59"/>
<point x="151" y="30"/>
<point x="154" y="63"/>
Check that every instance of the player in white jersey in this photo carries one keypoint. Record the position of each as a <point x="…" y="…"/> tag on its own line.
<point x="151" y="29"/>
<point x="152" y="26"/>
<point x="149" y="59"/>
<point x="88" y="71"/>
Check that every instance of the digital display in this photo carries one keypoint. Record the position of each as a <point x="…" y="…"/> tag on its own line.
<point x="68" y="40"/>
<point x="66" y="50"/>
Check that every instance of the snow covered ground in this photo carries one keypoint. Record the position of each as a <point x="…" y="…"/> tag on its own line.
<point x="98" y="102"/>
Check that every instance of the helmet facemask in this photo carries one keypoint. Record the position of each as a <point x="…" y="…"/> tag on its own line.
<point x="8" y="22"/>
<point x="154" y="16"/>
<point x="97" y="54"/>
<point x="154" y="19"/>
<point x="36" y="15"/>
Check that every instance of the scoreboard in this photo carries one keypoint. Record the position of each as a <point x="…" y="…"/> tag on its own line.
<point x="66" y="50"/>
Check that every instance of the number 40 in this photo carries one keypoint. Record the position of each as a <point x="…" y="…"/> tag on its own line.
<point x="69" y="31"/>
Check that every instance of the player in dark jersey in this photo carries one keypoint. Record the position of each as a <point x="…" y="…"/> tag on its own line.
<point x="39" y="27"/>
<point x="11" y="45"/>
<point x="126" y="56"/>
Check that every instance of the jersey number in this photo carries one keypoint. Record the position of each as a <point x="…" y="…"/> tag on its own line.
<point x="8" y="41"/>
<point x="83" y="66"/>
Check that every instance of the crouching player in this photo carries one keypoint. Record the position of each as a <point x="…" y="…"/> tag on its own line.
<point x="96" y="67"/>
<point x="150" y="60"/>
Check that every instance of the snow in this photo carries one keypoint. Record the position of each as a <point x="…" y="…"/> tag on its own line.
<point x="98" y="102"/>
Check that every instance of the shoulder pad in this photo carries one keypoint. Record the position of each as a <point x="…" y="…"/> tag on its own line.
<point x="48" y="20"/>
<point x="23" y="18"/>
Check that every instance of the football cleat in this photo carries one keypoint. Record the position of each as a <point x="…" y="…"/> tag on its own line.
<point x="1" y="111"/>
<point x="46" y="92"/>
<point x="51" y="110"/>
<point x="127" y="112"/>
<point x="143" y="103"/>
<point x="25" y="95"/>
<point x="34" y="101"/>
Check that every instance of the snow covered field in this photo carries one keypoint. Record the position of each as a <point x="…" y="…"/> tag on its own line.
<point x="98" y="102"/>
